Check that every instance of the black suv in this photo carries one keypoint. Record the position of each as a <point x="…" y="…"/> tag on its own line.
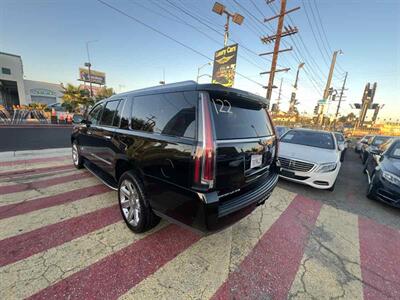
<point x="198" y="154"/>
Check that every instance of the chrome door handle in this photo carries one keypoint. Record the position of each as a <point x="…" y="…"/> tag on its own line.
<point x="107" y="137"/>
<point x="89" y="132"/>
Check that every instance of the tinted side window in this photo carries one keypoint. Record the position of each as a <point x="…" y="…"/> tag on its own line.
<point x="109" y="112"/>
<point x="170" y="114"/>
<point x="126" y="114"/>
<point x="117" y="116"/>
<point x="95" y="113"/>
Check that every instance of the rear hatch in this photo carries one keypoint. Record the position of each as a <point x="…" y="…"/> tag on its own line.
<point x="245" y="142"/>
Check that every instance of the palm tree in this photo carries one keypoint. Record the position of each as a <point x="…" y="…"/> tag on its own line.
<point x="104" y="93"/>
<point x="75" y="96"/>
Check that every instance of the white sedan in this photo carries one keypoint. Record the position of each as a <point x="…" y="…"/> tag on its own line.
<point x="310" y="157"/>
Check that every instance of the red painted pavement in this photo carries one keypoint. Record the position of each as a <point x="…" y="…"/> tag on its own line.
<point x="12" y="210"/>
<point x="33" y="160"/>
<point x="116" y="274"/>
<point x="270" y="268"/>
<point x="42" y="183"/>
<point x="25" y="172"/>
<point x="380" y="260"/>
<point x="24" y="245"/>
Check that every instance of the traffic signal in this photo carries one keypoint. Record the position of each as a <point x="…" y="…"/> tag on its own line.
<point x="316" y="109"/>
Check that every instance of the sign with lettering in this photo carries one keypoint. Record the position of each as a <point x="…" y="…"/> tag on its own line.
<point x="94" y="76"/>
<point x="42" y="92"/>
<point x="225" y="65"/>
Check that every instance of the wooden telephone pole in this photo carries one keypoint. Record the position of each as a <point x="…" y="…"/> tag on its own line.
<point x="277" y="39"/>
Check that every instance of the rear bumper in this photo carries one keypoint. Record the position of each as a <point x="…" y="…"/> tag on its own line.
<point x="206" y="212"/>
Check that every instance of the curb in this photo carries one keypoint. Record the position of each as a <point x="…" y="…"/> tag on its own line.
<point x="27" y="154"/>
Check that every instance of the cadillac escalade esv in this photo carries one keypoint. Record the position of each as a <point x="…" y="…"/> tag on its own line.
<point x="201" y="155"/>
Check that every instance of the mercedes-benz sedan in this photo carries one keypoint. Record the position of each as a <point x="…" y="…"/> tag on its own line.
<point x="310" y="157"/>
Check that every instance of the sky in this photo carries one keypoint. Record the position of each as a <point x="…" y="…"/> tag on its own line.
<point x="51" y="37"/>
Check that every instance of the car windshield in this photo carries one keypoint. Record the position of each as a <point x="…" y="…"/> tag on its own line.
<point x="378" y="140"/>
<point x="280" y="130"/>
<point x="395" y="151"/>
<point x="339" y="137"/>
<point x="309" y="138"/>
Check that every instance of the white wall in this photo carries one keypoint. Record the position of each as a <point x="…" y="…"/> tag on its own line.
<point x="14" y="63"/>
<point x="42" y="89"/>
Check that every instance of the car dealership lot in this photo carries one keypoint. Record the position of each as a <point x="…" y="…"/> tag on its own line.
<point x="62" y="236"/>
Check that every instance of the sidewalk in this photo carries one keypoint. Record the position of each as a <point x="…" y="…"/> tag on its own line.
<point x="32" y="154"/>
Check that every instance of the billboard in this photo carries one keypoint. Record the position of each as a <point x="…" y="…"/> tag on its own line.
<point x="225" y="65"/>
<point x="95" y="76"/>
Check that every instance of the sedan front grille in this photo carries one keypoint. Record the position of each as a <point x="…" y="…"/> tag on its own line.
<point x="295" y="165"/>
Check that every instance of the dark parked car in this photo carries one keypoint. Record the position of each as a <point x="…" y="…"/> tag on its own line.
<point x="383" y="170"/>
<point x="372" y="145"/>
<point x="200" y="155"/>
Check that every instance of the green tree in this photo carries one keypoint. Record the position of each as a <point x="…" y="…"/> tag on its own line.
<point x="104" y="93"/>
<point x="75" y="97"/>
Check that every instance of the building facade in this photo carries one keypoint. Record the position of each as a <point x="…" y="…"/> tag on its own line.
<point x="15" y="90"/>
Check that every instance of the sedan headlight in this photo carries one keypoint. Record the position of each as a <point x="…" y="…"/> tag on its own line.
<point x="328" y="167"/>
<point x="391" y="178"/>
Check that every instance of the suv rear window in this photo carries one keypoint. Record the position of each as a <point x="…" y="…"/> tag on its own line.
<point x="170" y="114"/>
<point x="237" y="117"/>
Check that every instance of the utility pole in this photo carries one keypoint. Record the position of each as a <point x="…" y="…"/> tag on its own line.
<point x="278" y="100"/>
<point x="320" y="117"/>
<point x="340" y="98"/>
<point x="277" y="38"/>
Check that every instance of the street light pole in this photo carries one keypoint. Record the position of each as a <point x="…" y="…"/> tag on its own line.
<point x="236" y="18"/>
<point x="320" y="116"/>
<point x="89" y="65"/>
<point x="292" y="104"/>
<point x="199" y="68"/>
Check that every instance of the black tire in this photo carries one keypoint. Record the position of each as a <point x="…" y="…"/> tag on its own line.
<point x="138" y="216"/>
<point x="78" y="160"/>
<point x="342" y="156"/>
<point x="364" y="158"/>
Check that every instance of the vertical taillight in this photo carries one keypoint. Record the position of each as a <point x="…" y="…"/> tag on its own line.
<point x="204" y="164"/>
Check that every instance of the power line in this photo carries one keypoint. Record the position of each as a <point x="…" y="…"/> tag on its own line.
<point x="324" y="32"/>
<point x="311" y="59"/>
<point x="209" y="27"/>
<point x="166" y="36"/>
<point x="202" y="32"/>
<point x="314" y="35"/>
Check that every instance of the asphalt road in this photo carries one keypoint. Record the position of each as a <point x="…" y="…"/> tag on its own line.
<point x="349" y="193"/>
<point x="34" y="138"/>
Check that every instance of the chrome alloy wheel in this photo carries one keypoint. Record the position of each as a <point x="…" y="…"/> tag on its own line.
<point x="130" y="203"/>
<point x="75" y="154"/>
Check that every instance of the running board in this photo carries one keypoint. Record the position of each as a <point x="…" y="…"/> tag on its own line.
<point x="101" y="175"/>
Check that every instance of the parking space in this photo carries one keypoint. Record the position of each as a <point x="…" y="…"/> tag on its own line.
<point x="62" y="236"/>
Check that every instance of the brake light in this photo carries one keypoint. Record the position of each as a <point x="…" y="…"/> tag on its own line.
<point x="208" y="171"/>
<point x="204" y="164"/>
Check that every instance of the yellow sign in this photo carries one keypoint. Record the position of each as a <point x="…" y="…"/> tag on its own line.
<point x="225" y="66"/>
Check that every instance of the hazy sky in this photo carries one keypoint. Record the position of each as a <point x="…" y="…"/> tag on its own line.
<point x="51" y="38"/>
